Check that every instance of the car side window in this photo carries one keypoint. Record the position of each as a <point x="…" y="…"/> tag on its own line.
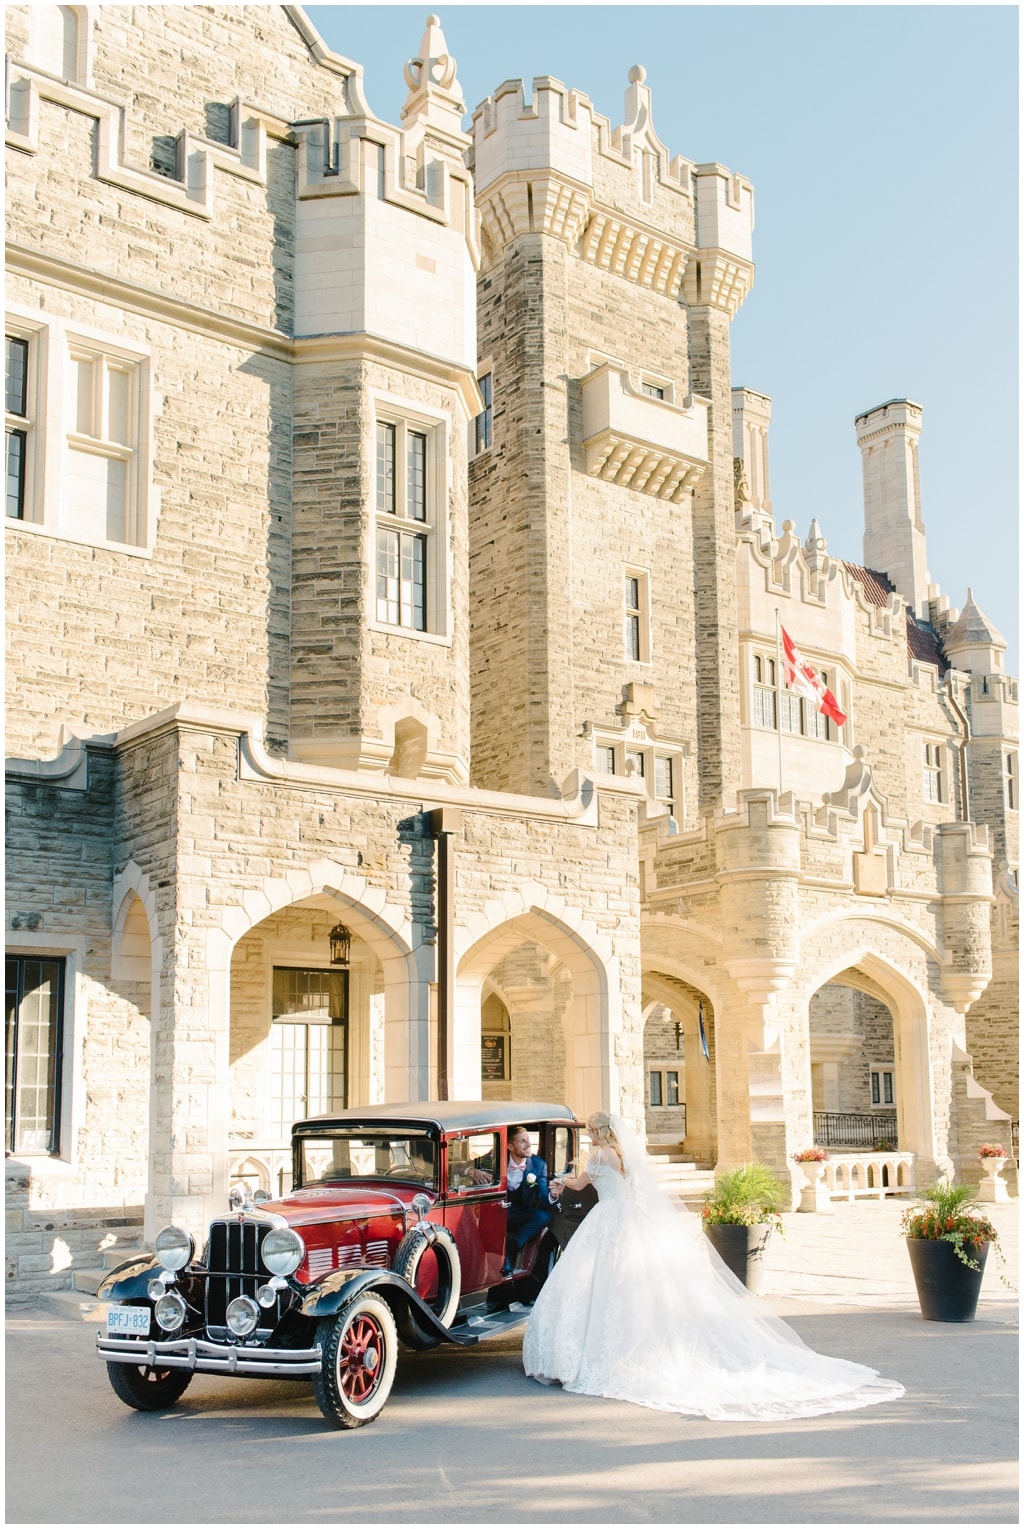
<point x="562" y="1150"/>
<point x="473" y="1161"/>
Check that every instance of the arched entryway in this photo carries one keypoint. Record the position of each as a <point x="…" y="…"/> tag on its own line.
<point x="307" y="1031"/>
<point x="677" y="1015"/>
<point x="874" y="1018"/>
<point x="854" y="1093"/>
<point x="551" y="978"/>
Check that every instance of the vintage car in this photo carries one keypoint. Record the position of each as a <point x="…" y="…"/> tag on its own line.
<point x="394" y="1227"/>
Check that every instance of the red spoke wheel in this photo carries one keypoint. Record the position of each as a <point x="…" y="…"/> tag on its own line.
<point x="359" y="1352"/>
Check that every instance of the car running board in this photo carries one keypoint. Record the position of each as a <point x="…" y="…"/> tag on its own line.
<point x="477" y="1326"/>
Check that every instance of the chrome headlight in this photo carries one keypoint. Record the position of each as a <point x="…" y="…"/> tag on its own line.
<point x="283" y="1251"/>
<point x="174" y="1248"/>
<point x="170" y="1311"/>
<point x="242" y="1316"/>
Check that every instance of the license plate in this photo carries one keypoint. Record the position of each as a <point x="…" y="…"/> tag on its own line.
<point x="133" y="1320"/>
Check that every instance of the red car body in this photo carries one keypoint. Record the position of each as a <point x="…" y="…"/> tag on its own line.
<point x="394" y="1226"/>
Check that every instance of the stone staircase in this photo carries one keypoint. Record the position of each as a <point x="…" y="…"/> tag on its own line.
<point x="81" y="1303"/>
<point x="678" y="1173"/>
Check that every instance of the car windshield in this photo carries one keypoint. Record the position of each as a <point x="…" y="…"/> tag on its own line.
<point x="340" y="1156"/>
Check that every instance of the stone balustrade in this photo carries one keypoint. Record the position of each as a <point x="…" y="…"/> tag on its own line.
<point x="853" y="1175"/>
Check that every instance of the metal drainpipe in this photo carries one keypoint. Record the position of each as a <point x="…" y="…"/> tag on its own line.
<point x="965" y="798"/>
<point x="445" y="823"/>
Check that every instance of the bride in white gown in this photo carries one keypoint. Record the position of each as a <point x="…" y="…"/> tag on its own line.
<point x="640" y="1307"/>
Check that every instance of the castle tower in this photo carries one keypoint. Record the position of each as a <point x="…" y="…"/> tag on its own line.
<point x="610" y="273"/>
<point x="894" y="539"/>
<point x="385" y="388"/>
<point x="989" y="696"/>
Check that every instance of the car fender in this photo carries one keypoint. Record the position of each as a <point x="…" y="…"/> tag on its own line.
<point x="332" y="1293"/>
<point x="130" y="1280"/>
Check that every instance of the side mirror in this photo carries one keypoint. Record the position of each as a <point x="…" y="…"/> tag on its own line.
<point x="262" y="1197"/>
<point x="421" y="1204"/>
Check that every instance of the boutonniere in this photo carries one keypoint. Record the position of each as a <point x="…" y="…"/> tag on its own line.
<point x="531" y="1178"/>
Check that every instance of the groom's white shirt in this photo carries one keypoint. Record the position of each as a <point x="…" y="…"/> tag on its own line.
<point x="515" y="1173"/>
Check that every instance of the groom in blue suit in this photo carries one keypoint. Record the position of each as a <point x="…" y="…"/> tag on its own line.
<point x="529" y="1203"/>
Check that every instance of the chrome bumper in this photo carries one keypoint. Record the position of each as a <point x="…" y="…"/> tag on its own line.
<point x="209" y="1358"/>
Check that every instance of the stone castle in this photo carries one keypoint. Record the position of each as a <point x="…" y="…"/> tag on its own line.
<point x="396" y="695"/>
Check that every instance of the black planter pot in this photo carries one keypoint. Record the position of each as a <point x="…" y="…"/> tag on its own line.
<point x="741" y="1249"/>
<point x="946" y="1288"/>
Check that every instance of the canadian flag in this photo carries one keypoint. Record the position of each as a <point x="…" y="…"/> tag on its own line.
<point x="801" y="677"/>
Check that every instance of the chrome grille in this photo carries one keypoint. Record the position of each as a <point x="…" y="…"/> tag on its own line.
<point x="236" y="1268"/>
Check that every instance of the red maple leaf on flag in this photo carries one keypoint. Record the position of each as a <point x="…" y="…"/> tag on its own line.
<point x="805" y="680"/>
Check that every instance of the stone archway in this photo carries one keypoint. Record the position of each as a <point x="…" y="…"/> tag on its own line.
<point x="591" y="1013"/>
<point x="407" y="969"/>
<point x="900" y="972"/>
<point x="699" y="1080"/>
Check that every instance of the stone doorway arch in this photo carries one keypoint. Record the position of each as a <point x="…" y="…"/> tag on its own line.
<point x="898" y="979"/>
<point x="203" y="1156"/>
<point x="590" y="1013"/>
<point x="699" y="1081"/>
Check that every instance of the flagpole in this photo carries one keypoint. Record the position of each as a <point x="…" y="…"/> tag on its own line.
<point x="778" y="693"/>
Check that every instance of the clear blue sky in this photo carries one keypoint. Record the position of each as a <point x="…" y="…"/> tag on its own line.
<point x="881" y="141"/>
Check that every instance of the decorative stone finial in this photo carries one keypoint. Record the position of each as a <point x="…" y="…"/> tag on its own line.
<point x="434" y="94"/>
<point x="815" y="541"/>
<point x="638" y="129"/>
<point x="816" y="551"/>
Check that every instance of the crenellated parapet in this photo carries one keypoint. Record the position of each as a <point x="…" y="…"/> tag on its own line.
<point x="548" y="163"/>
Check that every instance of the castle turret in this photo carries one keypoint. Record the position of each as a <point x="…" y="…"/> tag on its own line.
<point x="894" y="541"/>
<point x="973" y="643"/>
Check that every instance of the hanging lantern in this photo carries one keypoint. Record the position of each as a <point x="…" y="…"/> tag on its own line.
<point x="341" y="945"/>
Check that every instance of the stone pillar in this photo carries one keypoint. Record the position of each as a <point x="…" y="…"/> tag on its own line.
<point x="758" y="856"/>
<point x="700" y="1136"/>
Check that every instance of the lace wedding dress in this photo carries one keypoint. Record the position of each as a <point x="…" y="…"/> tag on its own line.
<point x="640" y="1308"/>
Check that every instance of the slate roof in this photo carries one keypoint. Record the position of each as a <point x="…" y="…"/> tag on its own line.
<point x="922" y="642"/>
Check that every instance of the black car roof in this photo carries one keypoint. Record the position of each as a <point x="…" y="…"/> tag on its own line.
<point x="446" y="1114"/>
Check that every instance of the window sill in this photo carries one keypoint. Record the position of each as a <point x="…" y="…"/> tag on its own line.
<point x="34" y="528"/>
<point x="436" y="639"/>
<point x="39" y="1165"/>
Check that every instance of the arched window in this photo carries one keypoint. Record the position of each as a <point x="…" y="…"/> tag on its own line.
<point x="58" y="34"/>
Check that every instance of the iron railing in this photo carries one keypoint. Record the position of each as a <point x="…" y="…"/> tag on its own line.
<point x="833" y="1129"/>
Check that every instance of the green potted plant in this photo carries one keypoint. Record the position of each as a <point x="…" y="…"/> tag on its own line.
<point x="739" y="1216"/>
<point x="948" y="1239"/>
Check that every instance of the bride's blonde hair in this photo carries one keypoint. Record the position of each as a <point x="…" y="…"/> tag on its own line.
<point x="601" y="1130"/>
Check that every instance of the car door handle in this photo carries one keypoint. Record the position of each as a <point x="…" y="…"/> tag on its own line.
<point x="505" y="1204"/>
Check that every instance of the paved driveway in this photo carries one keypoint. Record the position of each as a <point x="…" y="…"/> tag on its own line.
<point x="467" y="1439"/>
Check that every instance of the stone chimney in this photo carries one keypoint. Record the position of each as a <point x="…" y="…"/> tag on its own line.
<point x="894" y="542"/>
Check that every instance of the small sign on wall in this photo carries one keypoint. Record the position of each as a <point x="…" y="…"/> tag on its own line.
<point x="494" y="1058"/>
